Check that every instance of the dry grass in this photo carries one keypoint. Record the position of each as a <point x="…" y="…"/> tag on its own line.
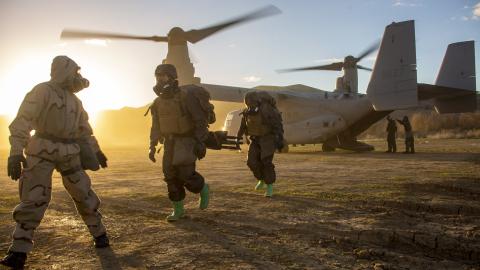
<point x="428" y="124"/>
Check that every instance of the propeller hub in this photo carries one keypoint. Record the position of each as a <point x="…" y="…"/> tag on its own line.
<point x="349" y="62"/>
<point x="176" y="35"/>
<point x="175" y="32"/>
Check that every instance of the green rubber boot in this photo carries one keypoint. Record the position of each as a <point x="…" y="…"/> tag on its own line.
<point x="269" y="192"/>
<point x="178" y="211"/>
<point x="260" y="185"/>
<point x="204" y="197"/>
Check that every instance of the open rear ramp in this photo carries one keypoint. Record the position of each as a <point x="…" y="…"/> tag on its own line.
<point x="393" y="84"/>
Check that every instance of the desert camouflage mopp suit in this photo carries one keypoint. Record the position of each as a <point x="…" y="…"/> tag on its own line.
<point x="60" y="122"/>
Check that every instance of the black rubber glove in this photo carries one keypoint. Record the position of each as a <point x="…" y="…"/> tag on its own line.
<point x="15" y="168"/>
<point x="200" y="150"/>
<point x="102" y="159"/>
<point x="279" y="143"/>
<point x="151" y="154"/>
<point x="212" y="141"/>
<point x="238" y="141"/>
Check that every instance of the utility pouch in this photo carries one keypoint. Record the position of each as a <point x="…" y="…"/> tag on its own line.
<point x="184" y="151"/>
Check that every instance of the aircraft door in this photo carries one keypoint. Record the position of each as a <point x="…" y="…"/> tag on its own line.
<point x="232" y="122"/>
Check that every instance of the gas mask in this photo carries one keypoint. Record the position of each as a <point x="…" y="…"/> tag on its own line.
<point x="166" y="88"/>
<point x="252" y="102"/>
<point x="253" y="105"/>
<point x="253" y="109"/>
<point x="76" y="83"/>
<point x="79" y="83"/>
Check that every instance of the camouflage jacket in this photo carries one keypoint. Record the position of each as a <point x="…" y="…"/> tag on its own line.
<point x="49" y="109"/>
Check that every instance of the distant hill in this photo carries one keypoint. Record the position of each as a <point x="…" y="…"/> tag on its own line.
<point x="126" y="126"/>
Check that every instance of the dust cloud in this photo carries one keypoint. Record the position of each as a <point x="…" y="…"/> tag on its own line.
<point x="4" y="132"/>
<point x="129" y="127"/>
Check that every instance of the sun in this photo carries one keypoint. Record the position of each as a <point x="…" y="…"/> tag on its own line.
<point x="16" y="82"/>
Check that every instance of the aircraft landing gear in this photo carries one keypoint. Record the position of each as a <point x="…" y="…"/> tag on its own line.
<point x="327" y="148"/>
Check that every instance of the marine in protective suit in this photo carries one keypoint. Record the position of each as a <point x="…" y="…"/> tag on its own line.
<point x="180" y="123"/>
<point x="262" y="122"/>
<point x="63" y="141"/>
<point x="409" y="140"/>
<point x="391" y="135"/>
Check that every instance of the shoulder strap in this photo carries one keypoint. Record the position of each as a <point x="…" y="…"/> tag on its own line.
<point x="148" y="110"/>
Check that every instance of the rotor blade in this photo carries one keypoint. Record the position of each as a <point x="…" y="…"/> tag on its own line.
<point x="194" y="36"/>
<point x="334" y="66"/>
<point x="70" y="33"/>
<point x="368" y="51"/>
<point x="364" y="68"/>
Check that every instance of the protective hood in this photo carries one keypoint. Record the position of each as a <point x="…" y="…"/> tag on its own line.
<point x="65" y="72"/>
<point x="63" y="69"/>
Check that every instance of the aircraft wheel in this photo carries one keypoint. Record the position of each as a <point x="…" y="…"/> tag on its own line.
<point x="327" y="148"/>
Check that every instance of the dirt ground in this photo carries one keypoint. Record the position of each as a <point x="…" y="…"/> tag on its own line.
<point x="337" y="210"/>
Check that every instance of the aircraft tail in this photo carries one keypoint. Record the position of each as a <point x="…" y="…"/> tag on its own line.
<point x="393" y="84"/>
<point x="455" y="88"/>
<point x="458" y="66"/>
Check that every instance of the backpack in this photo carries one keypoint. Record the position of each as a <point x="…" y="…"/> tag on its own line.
<point x="267" y="98"/>
<point x="203" y="97"/>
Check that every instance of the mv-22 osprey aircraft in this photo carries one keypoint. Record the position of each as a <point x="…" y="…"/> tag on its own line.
<point x="336" y="118"/>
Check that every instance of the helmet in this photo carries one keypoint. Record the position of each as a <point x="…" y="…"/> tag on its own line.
<point x="167" y="69"/>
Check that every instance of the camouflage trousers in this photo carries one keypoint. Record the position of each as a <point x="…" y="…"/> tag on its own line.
<point x="260" y="158"/>
<point x="35" y="189"/>
<point x="179" y="176"/>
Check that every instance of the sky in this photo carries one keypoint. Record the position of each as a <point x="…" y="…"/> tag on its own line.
<point x="306" y="33"/>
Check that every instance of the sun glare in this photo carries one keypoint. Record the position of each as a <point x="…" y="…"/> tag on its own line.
<point x="18" y="81"/>
<point x="22" y="77"/>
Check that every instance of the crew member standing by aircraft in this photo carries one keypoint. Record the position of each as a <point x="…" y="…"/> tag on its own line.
<point x="180" y="118"/>
<point x="409" y="141"/>
<point x="263" y="123"/>
<point x="63" y="141"/>
<point x="391" y="135"/>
